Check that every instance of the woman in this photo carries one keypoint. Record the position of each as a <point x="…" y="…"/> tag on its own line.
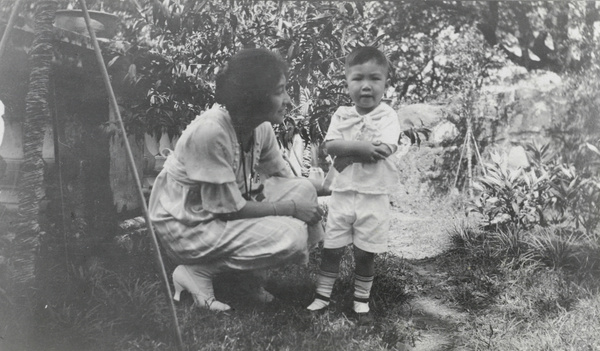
<point x="208" y="213"/>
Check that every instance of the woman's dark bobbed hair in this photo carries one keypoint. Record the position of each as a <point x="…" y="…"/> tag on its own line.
<point x="248" y="78"/>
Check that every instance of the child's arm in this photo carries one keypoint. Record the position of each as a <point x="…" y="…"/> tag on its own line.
<point x="363" y="151"/>
<point x="341" y="162"/>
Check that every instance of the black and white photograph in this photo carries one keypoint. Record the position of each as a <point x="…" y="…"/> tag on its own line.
<point x="288" y="175"/>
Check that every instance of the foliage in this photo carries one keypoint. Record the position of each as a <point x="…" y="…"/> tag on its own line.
<point x="509" y="196"/>
<point x="548" y="193"/>
<point x="547" y="213"/>
<point x="554" y="246"/>
<point x="575" y="135"/>
<point x="169" y="52"/>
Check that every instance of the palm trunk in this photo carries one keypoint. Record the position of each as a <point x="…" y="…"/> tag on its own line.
<point x="37" y="117"/>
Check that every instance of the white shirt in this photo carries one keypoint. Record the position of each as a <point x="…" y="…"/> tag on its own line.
<point x="380" y="125"/>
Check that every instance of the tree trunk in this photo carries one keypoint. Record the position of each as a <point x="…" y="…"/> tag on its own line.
<point x="37" y="117"/>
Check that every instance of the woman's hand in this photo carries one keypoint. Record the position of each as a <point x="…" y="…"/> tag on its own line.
<point x="308" y="212"/>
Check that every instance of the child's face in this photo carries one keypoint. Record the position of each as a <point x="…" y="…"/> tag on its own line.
<point x="366" y="84"/>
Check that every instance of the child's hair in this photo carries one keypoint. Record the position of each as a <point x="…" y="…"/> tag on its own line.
<point x="365" y="54"/>
<point x="249" y="77"/>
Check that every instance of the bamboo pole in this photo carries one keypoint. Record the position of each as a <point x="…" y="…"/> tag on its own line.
<point x="115" y="107"/>
<point x="469" y="155"/>
<point x="478" y="154"/>
<point x="59" y="171"/>
<point x="462" y="152"/>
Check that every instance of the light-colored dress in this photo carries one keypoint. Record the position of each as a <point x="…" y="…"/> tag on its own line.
<point x="205" y="176"/>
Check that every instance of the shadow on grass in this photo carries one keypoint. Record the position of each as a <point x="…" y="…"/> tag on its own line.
<point x="115" y="301"/>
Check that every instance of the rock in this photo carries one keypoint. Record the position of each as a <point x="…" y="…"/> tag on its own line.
<point x="419" y="115"/>
<point x="509" y="74"/>
<point x="545" y="81"/>
<point x="443" y="132"/>
<point x="517" y="157"/>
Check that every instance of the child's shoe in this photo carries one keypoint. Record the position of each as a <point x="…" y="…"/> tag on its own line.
<point x="362" y="312"/>
<point x="320" y="304"/>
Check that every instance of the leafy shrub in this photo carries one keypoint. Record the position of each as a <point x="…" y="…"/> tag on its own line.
<point x="575" y="195"/>
<point x="509" y="196"/>
<point x="547" y="193"/>
<point x="547" y="213"/>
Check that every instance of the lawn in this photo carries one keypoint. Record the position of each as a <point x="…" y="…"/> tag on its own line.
<point x="463" y="299"/>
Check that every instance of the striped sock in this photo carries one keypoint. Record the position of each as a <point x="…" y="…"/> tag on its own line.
<point x="325" y="281"/>
<point x="362" y="291"/>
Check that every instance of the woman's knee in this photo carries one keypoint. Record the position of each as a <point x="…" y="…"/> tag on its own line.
<point x="281" y="189"/>
<point x="295" y="235"/>
<point x="305" y="186"/>
<point x="305" y="190"/>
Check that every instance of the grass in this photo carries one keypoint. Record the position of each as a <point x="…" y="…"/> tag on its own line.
<point x="105" y="305"/>
<point x="537" y="310"/>
<point x="535" y="290"/>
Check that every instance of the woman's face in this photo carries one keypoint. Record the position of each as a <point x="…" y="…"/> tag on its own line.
<point x="279" y="100"/>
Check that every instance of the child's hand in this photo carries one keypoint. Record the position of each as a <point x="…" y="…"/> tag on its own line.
<point x="382" y="149"/>
<point x="372" y="153"/>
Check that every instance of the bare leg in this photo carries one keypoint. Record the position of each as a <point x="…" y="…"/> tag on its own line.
<point x="365" y="262"/>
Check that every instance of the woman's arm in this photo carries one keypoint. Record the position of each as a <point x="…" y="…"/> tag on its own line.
<point x="302" y="210"/>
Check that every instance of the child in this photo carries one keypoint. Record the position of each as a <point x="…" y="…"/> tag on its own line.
<point x="360" y="138"/>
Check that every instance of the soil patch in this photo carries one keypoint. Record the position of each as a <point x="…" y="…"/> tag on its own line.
<point x="420" y="232"/>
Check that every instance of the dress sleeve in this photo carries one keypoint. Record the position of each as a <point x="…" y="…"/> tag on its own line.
<point x="207" y="156"/>
<point x="390" y="128"/>
<point x="221" y="198"/>
<point x="333" y="131"/>
<point x="271" y="159"/>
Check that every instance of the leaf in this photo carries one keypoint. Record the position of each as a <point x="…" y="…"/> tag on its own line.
<point x="112" y="61"/>
<point x="360" y="8"/>
<point x="496" y="158"/>
<point x="532" y="56"/>
<point x="593" y="148"/>
<point x="549" y="43"/>
<point x="291" y="51"/>
<point x="349" y="9"/>
<point x="500" y="218"/>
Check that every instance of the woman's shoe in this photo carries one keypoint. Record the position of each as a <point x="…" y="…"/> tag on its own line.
<point x="198" y="282"/>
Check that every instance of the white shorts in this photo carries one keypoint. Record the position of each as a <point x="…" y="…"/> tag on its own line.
<point x="362" y="219"/>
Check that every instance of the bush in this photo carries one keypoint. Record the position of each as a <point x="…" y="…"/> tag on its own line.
<point x="548" y="213"/>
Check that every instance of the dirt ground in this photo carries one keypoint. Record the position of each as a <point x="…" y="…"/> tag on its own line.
<point x="420" y="231"/>
<point x="418" y="236"/>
